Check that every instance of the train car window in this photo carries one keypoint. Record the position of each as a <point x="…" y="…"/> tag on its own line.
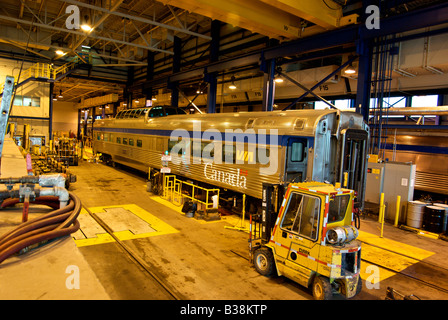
<point x="170" y="111"/>
<point x="119" y="115"/>
<point x="181" y="148"/>
<point x="144" y="112"/>
<point x="297" y="151"/>
<point x="196" y="149"/>
<point x="118" y="140"/>
<point x="132" y="114"/>
<point x="125" y="140"/>
<point x="263" y="155"/>
<point x="106" y="137"/>
<point x="209" y="153"/>
<point x="139" y="143"/>
<point x="228" y="153"/>
<point x="98" y="136"/>
<point x="171" y="144"/>
<point x="155" y="112"/>
<point x="131" y="142"/>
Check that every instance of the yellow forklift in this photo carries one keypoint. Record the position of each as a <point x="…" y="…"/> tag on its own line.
<point x="308" y="237"/>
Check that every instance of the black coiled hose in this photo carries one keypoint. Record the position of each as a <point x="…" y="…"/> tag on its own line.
<point x="52" y="225"/>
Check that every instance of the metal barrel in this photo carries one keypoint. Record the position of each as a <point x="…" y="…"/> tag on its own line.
<point x="415" y="211"/>
<point x="433" y="219"/>
<point x="445" y="217"/>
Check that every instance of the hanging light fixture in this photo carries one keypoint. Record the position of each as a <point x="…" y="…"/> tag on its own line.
<point x="232" y="86"/>
<point x="278" y="80"/>
<point x="60" y="96"/>
<point x="350" y="69"/>
<point x="86" y="26"/>
<point x="199" y="90"/>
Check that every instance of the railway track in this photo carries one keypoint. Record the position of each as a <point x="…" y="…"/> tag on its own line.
<point x="421" y="271"/>
<point x="171" y="292"/>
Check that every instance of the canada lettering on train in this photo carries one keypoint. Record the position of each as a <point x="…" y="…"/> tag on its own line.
<point x="233" y="179"/>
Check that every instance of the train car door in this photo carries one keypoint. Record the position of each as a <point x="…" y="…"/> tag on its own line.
<point x="353" y="163"/>
<point x="296" y="159"/>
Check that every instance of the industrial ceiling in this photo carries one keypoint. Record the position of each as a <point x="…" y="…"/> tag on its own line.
<point x="125" y="31"/>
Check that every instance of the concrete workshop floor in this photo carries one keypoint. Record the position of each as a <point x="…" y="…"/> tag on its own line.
<point x="199" y="258"/>
<point x="196" y="259"/>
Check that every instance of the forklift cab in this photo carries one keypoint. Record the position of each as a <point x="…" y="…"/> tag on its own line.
<point x="312" y="240"/>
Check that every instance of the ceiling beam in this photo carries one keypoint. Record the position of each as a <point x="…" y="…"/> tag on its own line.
<point x="41" y="25"/>
<point x="326" y="14"/>
<point x="64" y="49"/>
<point x="252" y="15"/>
<point x="98" y="23"/>
<point x="140" y="19"/>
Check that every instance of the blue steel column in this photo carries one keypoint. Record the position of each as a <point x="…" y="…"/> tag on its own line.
<point x="214" y="56"/>
<point x="362" y="102"/>
<point x="268" y="85"/>
<point x="364" y="50"/>
<point x="149" y="74"/>
<point x="177" y="46"/>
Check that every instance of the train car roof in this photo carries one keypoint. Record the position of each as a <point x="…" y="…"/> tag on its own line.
<point x="303" y="121"/>
<point x="294" y="122"/>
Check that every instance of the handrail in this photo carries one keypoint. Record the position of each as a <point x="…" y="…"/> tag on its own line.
<point x="173" y="189"/>
<point x="44" y="70"/>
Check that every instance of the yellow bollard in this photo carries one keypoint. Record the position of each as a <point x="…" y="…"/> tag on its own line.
<point x="381" y="214"/>
<point x="397" y="212"/>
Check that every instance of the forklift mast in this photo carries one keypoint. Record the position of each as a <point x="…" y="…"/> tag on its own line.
<point x="272" y="198"/>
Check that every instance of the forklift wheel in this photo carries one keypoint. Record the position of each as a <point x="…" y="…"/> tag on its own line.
<point x="264" y="262"/>
<point x="322" y="289"/>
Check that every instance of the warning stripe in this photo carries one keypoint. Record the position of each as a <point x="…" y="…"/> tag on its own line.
<point x="324" y="225"/>
<point x="282" y="208"/>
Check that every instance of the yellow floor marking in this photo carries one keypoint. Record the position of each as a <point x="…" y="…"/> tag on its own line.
<point x="100" y="239"/>
<point x="158" y="225"/>
<point x="388" y="253"/>
<point x="178" y="209"/>
<point x="396" y="246"/>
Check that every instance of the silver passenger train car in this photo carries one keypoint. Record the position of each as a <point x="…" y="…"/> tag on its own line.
<point x="238" y="152"/>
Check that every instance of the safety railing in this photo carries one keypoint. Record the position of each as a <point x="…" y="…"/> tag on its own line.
<point x="175" y="190"/>
<point x="45" y="71"/>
